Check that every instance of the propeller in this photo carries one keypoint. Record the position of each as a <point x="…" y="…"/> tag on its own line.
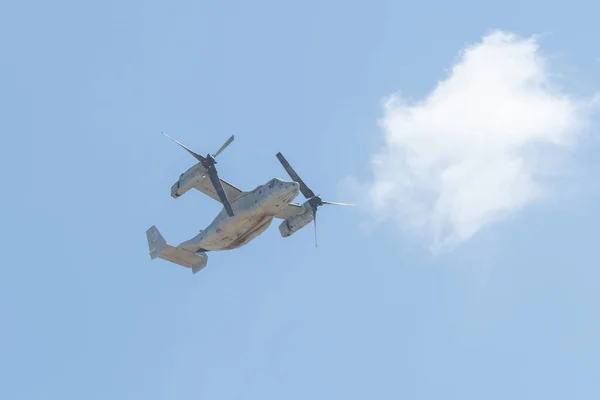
<point x="208" y="163"/>
<point x="314" y="201"/>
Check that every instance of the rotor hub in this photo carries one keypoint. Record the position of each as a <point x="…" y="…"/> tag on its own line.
<point x="313" y="200"/>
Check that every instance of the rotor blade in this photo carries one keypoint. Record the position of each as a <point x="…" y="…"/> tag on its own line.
<point x="315" y="222"/>
<point x="338" y="204"/>
<point x="303" y="188"/>
<point x="227" y="143"/>
<point x="197" y="156"/>
<point x="214" y="178"/>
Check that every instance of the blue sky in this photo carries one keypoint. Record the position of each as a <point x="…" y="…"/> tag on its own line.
<point x="509" y="312"/>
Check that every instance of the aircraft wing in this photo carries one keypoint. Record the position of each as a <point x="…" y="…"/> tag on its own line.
<point x="197" y="178"/>
<point x="205" y="186"/>
<point x="290" y="210"/>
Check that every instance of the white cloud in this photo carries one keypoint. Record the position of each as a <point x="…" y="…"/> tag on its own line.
<point x="476" y="148"/>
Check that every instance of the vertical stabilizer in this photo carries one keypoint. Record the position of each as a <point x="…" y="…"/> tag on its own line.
<point x="156" y="242"/>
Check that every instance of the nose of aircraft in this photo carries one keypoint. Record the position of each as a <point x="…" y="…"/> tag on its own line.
<point x="292" y="189"/>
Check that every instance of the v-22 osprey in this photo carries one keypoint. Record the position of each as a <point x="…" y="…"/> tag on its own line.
<point x="245" y="214"/>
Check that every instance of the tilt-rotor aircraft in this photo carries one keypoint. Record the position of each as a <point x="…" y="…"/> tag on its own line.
<point x="245" y="214"/>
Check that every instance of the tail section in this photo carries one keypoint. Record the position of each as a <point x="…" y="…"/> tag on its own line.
<point x="160" y="249"/>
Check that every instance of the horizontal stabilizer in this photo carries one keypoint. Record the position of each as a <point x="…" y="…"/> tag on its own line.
<point x="160" y="249"/>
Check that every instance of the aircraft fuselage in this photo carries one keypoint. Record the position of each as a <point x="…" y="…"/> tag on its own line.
<point x="253" y="213"/>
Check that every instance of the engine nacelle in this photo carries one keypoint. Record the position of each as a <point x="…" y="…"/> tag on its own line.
<point x="297" y="222"/>
<point x="187" y="180"/>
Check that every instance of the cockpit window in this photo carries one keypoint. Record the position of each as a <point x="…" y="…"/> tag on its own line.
<point x="271" y="184"/>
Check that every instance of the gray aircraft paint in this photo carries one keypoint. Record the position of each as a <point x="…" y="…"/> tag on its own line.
<point x="251" y="212"/>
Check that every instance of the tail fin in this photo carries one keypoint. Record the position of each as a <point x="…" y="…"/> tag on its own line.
<point x="156" y="242"/>
<point x="160" y="249"/>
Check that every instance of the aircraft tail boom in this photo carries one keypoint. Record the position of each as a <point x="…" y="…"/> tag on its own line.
<point x="160" y="249"/>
